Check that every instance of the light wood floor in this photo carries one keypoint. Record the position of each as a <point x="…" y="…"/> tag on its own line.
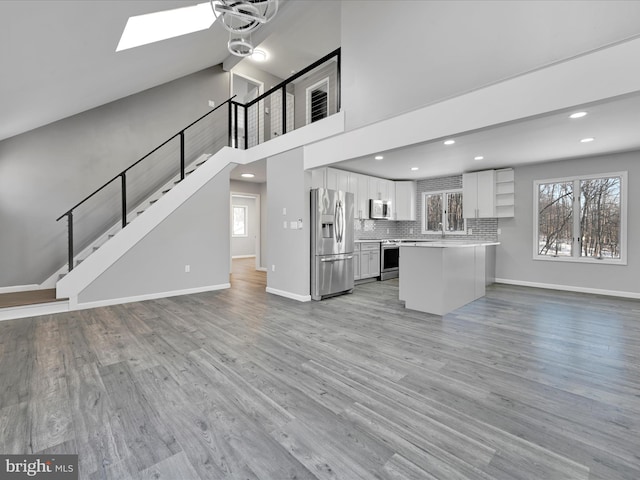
<point x="33" y="297"/>
<point x="240" y="384"/>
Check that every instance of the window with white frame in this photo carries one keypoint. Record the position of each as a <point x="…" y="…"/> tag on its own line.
<point x="240" y="225"/>
<point x="442" y="211"/>
<point x="581" y="218"/>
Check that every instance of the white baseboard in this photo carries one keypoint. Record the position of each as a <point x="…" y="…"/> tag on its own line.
<point x="293" y="296"/>
<point x="25" y="311"/>
<point x="569" y="288"/>
<point x="151" y="296"/>
<point x="20" y="288"/>
<point x="243" y="256"/>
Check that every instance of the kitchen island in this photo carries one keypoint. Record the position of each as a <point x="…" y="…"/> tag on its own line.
<point x="439" y="277"/>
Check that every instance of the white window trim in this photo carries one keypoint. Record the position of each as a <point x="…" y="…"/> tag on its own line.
<point x="246" y="221"/>
<point x="308" y="96"/>
<point x="424" y="231"/>
<point x="576" y="259"/>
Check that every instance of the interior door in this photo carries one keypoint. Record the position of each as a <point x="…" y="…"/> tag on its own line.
<point x="276" y="113"/>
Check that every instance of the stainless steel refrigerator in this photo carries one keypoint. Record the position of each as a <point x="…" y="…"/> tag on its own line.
<point x="331" y="243"/>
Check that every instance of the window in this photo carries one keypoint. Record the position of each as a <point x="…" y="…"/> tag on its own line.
<point x="239" y="221"/>
<point x="443" y="211"/>
<point x="318" y="101"/>
<point x="581" y="218"/>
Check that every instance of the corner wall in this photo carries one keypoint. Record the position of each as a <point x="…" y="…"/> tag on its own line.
<point x="514" y="256"/>
<point x="288" y="250"/>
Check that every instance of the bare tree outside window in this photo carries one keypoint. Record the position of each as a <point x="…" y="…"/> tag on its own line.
<point x="600" y="218"/>
<point x="455" y="220"/>
<point x="443" y="211"/>
<point x="581" y="217"/>
<point x="434" y="212"/>
<point x="555" y="219"/>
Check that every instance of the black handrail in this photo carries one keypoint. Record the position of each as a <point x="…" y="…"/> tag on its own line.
<point x="123" y="178"/>
<point x="181" y="132"/>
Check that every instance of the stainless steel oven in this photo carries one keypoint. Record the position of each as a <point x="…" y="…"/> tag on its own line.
<point x="389" y="259"/>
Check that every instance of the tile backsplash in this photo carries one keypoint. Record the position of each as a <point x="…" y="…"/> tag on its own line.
<point x="482" y="228"/>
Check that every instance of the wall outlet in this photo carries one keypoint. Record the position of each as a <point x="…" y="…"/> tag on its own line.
<point x="187" y="268"/>
<point x="387" y="231"/>
<point x="273" y="268"/>
<point x="293" y="225"/>
<point x="410" y="231"/>
<point x="285" y="224"/>
<point x="470" y="231"/>
<point x="212" y="104"/>
<point x="499" y="231"/>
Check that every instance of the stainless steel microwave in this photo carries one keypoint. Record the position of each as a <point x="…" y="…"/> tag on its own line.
<point x="379" y="209"/>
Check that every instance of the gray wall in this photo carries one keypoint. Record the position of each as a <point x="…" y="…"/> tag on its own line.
<point x="196" y="234"/>
<point x="46" y="171"/>
<point x="390" y="66"/>
<point x="246" y="246"/>
<point x="515" y="253"/>
<point x="288" y="249"/>
<point x="257" y="189"/>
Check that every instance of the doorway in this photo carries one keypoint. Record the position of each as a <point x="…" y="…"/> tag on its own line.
<point x="247" y="89"/>
<point x="245" y="227"/>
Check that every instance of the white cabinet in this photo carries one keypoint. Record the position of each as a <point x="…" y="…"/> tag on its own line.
<point x="337" y="179"/>
<point x="368" y="262"/>
<point x="318" y="177"/>
<point x="356" y="261"/>
<point x="478" y="194"/>
<point x="405" y="204"/>
<point x="360" y="187"/>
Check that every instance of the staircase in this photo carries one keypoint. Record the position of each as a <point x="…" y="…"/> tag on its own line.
<point x="135" y="213"/>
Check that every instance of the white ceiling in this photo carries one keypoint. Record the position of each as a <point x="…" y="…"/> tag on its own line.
<point x="614" y="124"/>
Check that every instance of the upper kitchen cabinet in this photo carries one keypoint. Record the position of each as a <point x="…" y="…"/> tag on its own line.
<point x="382" y="189"/>
<point x="405" y="203"/>
<point x="360" y="187"/>
<point x="337" y="180"/>
<point x="488" y="194"/>
<point x="478" y="194"/>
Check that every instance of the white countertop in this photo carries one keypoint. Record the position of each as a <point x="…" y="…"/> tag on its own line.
<point x="449" y="244"/>
<point x="367" y="241"/>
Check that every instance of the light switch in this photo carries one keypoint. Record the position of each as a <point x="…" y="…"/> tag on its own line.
<point x="284" y="210"/>
<point x="285" y="224"/>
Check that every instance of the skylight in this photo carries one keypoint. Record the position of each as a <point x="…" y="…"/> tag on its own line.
<point x="153" y="27"/>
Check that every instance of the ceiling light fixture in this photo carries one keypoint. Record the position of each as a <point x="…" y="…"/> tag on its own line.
<point x="578" y="115"/>
<point x="378" y="157"/>
<point x="247" y="175"/>
<point x="413" y="169"/>
<point x="587" y="140"/>
<point x="479" y="157"/>
<point x="241" y="18"/>
<point x="259" y="55"/>
<point x="449" y="142"/>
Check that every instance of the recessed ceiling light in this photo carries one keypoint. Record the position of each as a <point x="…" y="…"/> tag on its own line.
<point x="414" y="169"/>
<point x="587" y="140"/>
<point x="259" y="55"/>
<point x="153" y="27"/>
<point x="378" y="157"/>
<point x="479" y="157"/>
<point x="577" y="115"/>
<point x="449" y="142"/>
<point x="247" y="175"/>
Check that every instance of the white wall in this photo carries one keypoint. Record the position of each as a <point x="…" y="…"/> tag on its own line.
<point x="514" y="259"/>
<point x="288" y="250"/>
<point x="405" y="54"/>
<point x="246" y="246"/>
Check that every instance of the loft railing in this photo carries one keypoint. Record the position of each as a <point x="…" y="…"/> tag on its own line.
<point x="207" y="134"/>
<point x="272" y="114"/>
<point x="309" y="95"/>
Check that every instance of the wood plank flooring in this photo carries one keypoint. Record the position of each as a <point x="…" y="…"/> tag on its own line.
<point x="32" y="297"/>
<point x="240" y="384"/>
